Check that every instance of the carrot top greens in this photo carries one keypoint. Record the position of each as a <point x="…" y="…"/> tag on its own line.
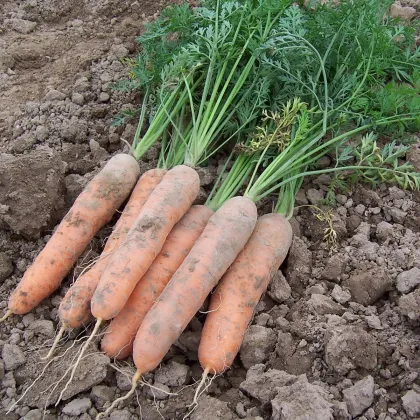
<point x="342" y="70"/>
<point x="281" y="85"/>
<point x="226" y="49"/>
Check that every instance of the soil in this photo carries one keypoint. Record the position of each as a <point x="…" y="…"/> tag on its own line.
<point x="335" y="337"/>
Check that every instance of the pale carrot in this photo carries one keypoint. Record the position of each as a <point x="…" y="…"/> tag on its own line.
<point x="233" y="302"/>
<point x="93" y="208"/>
<point x="168" y="202"/>
<point x="118" y="338"/>
<point x="223" y="238"/>
<point x="215" y="250"/>
<point x="74" y="310"/>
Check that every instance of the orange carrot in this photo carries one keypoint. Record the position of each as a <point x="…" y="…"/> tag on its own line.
<point x="92" y="209"/>
<point x="166" y="205"/>
<point x="223" y="238"/>
<point x="215" y="250"/>
<point x="233" y="303"/>
<point x="118" y="339"/>
<point x="168" y="202"/>
<point x="74" y="310"/>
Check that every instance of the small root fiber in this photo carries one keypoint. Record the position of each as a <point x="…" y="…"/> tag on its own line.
<point x="6" y="315"/>
<point x="85" y="346"/>
<point x="134" y="383"/>
<point x="55" y="344"/>
<point x="200" y="385"/>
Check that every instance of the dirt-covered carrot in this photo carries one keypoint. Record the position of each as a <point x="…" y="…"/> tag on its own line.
<point x="74" y="310"/>
<point x="170" y="200"/>
<point x="233" y="302"/>
<point x="118" y="338"/>
<point x="93" y="208"/>
<point x="166" y="205"/>
<point x="223" y="238"/>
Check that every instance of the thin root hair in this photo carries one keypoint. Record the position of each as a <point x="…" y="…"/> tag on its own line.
<point x="83" y="349"/>
<point x="134" y="383"/>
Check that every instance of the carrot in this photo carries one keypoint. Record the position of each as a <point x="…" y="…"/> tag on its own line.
<point x="222" y="239"/>
<point x="233" y="302"/>
<point x="92" y="209"/>
<point x="168" y="202"/>
<point x="74" y="309"/>
<point x="118" y="339"/>
<point x="166" y="205"/>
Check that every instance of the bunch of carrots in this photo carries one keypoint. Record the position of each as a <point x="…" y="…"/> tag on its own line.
<point x="278" y="87"/>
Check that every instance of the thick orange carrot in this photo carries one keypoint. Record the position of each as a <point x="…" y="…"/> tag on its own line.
<point x="223" y="238"/>
<point x="166" y="205"/>
<point x="233" y="303"/>
<point x="74" y="310"/>
<point x="92" y="209"/>
<point x="118" y="339"/>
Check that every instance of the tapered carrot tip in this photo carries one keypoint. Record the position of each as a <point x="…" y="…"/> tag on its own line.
<point x="6" y="315"/>
<point x="55" y="344"/>
<point x="134" y="383"/>
<point x="200" y="385"/>
<point x="82" y="352"/>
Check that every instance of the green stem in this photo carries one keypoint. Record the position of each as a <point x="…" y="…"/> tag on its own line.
<point x="233" y="182"/>
<point x="319" y="172"/>
<point x="287" y="195"/>
<point x="160" y="122"/>
<point x="203" y="134"/>
<point x="142" y="117"/>
<point x="290" y="159"/>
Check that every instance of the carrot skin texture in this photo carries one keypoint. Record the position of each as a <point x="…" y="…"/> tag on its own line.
<point x="170" y="200"/>
<point x="233" y="302"/>
<point x="118" y="339"/>
<point x="215" y="250"/>
<point x="74" y="310"/>
<point x="93" y="208"/>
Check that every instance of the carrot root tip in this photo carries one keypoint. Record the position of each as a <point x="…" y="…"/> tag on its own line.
<point x="200" y="386"/>
<point x="6" y="315"/>
<point x="82" y="352"/>
<point x="134" y="383"/>
<point x="55" y="344"/>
